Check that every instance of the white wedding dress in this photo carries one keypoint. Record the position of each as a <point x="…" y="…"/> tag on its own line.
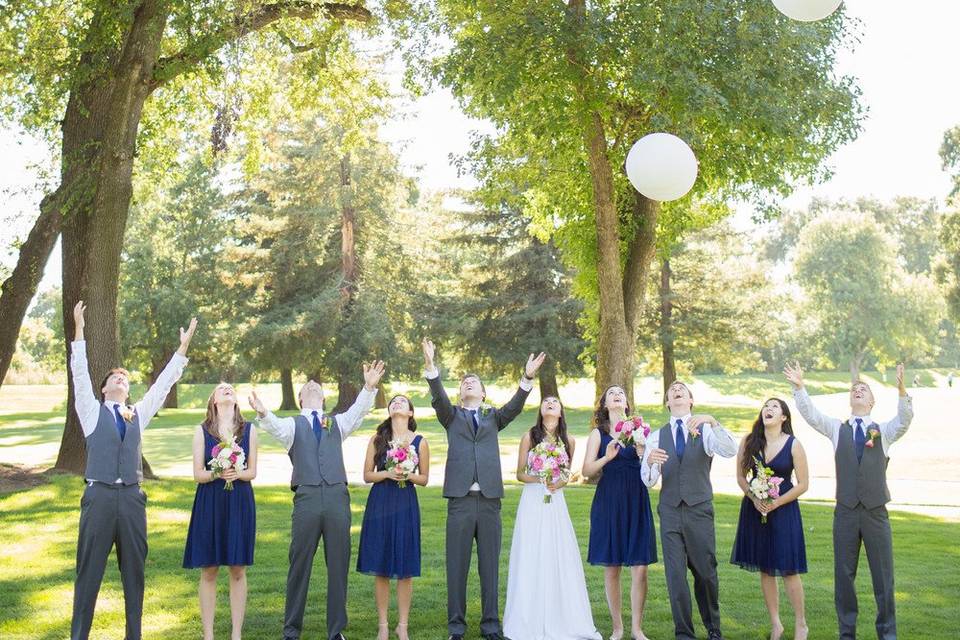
<point x="546" y="589"/>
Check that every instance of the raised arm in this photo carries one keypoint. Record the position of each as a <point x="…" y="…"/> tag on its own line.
<point x="716" y="439"/>
<point x="152" y="401"/>
<point x="283" y="429"/>
<point x="438" y="395"/>
<point x="824" y="424"/>
<point x="894" y="429"/>
<point x="508" y="412"/>
<point x="352" y="418"/>
<point x="84" y="399"/>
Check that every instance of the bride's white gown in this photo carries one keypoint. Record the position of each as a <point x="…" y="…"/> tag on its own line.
<point x="546" y="590"/>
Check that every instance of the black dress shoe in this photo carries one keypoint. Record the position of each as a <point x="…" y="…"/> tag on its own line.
<point x="714" y="635"/>
<point x="455" y="636"/>
<point x="494" y="636"/>
<point x="339" y="636"/>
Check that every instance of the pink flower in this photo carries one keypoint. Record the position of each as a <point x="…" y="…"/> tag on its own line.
<point x="400" y="455"/>
<point x="233" y="458"/>
<point x="868" y="443"/>
<point x="537" y="464"/>
<point x="619" y="427"/>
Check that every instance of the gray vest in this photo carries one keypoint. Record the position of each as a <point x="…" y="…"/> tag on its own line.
<point x="472" y="457"/>
<point x="686" y="480"/>
<point x="108" y="457"/>
<point x="863" y="482"/>
<point x="316" y="463"/>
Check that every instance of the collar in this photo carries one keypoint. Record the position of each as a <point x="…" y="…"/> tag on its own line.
<point x="866" y="421"/>
<point x="308" y="413"/>
<point x="112" y="404"/>
<point x="685" y="419"/>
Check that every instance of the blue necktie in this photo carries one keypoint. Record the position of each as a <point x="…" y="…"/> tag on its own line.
<point x="121" y="423"/>
<point x="860" y="439"/>
<point x="476" y="425"/>
<point x="317" y="429"/>
<point x="681" y="441"/>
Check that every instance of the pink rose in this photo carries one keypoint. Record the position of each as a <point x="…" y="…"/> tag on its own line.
<point x="537" y="464"/>
<point x="401" y="455"/>
<point x="619" y="427"/>
<point x="233" y="458"/>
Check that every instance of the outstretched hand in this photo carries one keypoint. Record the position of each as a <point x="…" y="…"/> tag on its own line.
<point x="257" y="404"/>
<point x="428" y="352"/>
<point x="900" y="386"/>
<point x="186" y="336"/>
<point x="533" y="365"/>
<point x="78" y="321"/>
<point x="372" y="373"/>
<point x="794" y="375"/>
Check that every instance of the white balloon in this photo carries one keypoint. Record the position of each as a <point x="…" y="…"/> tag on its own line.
<point x="661" y="166"/>
<point x="807" y="10"/>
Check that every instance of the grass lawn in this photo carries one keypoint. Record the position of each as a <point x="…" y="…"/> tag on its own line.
<point x="38" y="530"/>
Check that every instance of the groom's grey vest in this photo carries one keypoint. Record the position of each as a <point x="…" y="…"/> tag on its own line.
<point x="109" y="457"/>
<point x="863" y="482"/>
<point x="686" y="480"/>
<point x="316" y="463"/>
<point x="472" y="457"/>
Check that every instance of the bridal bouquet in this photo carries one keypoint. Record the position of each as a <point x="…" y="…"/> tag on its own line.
<point x="764" y="486"/>
<point x="226" y="455"/>
<point x="405" y="457"/>
<point x="631" y="432"/>
<point x="549" y="462"/>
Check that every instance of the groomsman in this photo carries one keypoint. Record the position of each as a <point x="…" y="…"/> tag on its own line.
<point x="321" y="506"/>
<point x="113" y="506"/>
<point x="473" y="486"/>
<point x="861" y="453"/>
<point x="681" y="452"/>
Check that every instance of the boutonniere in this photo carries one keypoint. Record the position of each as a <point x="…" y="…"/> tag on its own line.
<point x="485" y="410"/>
<point x="127" y="414"/>
<point x="872" y="434"/>
<point x="694" y="432"/>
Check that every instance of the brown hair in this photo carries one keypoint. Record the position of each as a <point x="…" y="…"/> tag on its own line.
<point x="601" y="416"/>
<point x="210" y="422"/>
<point x="756" y="441"/>
<point x="107" y="377"/>
<point x="477" y="378"/>
<point x="538" y="431"/>
<point x="666" y="396"/>
<point x="384" y="434"/>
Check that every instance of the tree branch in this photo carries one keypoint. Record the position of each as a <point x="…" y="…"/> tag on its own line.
<point x="195" y="52"/>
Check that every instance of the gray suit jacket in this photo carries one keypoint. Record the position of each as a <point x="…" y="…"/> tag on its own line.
<point x="473" y="457"/>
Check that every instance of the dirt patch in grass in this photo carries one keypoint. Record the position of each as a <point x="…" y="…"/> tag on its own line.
<point x="17" y="477"/>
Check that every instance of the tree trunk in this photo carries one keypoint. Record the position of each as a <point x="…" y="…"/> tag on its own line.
<point x="288" y="400"/>
<point x="666" y="327"/>
<point x="18" y="290"/>
<point x="856" y="362"/>
<point x="348" y="245"/>
<point x="643" y="244"/>
<point x="346" y="395"/>
<point x="547" y="379"/>
<point x="615" y="346"/>
<point x="157" y="366"/>
<point x="381" y="400"/>
<point x="99" y="142"/>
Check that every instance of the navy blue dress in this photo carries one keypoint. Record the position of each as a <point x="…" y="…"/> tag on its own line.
<point x="776" y="548"/>
<point x="223" y="524"/>
<point x="390" y="534"/>
<point x="621" y="521"/>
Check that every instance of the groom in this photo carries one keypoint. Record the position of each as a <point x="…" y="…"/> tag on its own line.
<point x="473" y="486"/>
<point x="113" y="507"/>
<point x="321" y="506"/>
<point x="861" y="453"/>
<point x="682" y="452"/>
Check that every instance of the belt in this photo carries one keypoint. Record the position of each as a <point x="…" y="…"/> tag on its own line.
<point x="474" y="494"/>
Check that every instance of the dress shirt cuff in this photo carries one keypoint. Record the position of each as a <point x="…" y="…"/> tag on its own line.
<point x="526" y="383"/>
<point x="430" y="374"/>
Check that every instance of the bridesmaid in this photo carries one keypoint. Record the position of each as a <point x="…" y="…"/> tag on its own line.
<point x="775" y="548"/>
<point x="223" y="523"/>
<point x="390" y="535"/>
<point x="621" y="521"/>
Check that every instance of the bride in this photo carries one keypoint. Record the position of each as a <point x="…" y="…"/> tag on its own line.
<point x="546" y="591"/>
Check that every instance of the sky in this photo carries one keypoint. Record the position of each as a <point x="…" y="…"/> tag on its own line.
<point x="905" y="63"/>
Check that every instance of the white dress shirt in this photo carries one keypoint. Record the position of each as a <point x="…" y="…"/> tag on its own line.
<point x="284" y="429"/>
<point x="716" y="440"/>
<point x="525" y="384"/>
<point x="87" y="405"/>
<point x="890" y="431"/>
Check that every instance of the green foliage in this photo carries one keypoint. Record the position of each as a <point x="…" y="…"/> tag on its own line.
<point x="727" y="314"/>
<point x="863" y="300"/>
<point x="172" y="270"/>
<point x="950" y="155"/>
<point x="948" y="270"/>
<point x="753" y="93"/>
